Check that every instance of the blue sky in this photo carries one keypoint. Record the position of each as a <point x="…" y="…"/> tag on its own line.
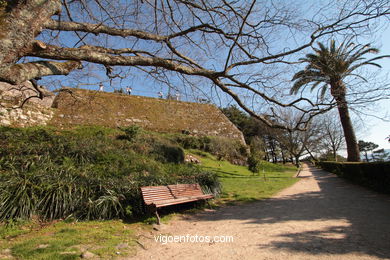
<point x="374" y="130"/>
<point x="377" y="130"/>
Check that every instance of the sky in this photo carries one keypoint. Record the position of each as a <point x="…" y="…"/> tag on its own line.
<point x="377" y="130"/>
<point x="374" y="130"/>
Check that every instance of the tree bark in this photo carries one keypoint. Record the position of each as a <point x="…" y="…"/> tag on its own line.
<point x="338" y="92"/>
<point x="21" y="22"/>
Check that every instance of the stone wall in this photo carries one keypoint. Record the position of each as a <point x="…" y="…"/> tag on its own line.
<point x="73" y="107"/>
<point x="84" y="107"/>
<point x="36" y="111"/>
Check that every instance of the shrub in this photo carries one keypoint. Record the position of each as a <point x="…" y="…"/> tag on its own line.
<point x="374" y="175"/>
<point x="84" y="174"/>
<point x="192" y="142"/>
<point x="254" y="164"/>
<point x="131" y="132"/>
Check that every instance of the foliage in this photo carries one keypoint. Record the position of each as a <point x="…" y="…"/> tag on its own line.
<point x="248" y="125"/>
<point x="329" y="156"/>
<point x="372" y="175"/>
<point x="329" y="67"/>
<point x="131" y="132"/>
<point x="366" y="147"/>
<point x="223" y="148"/>
<point x="84" y="174"/>
<point x="254" y="164"/>
<point x="380" y="155"/>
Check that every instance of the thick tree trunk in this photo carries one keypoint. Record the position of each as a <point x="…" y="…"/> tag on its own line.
<point x="21" y="21"/>
<point x="338" y="93"/>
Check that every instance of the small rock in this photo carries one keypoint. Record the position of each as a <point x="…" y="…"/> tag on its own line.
<point x="87" y="255"/>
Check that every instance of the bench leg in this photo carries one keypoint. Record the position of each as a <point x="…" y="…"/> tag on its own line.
<point x="157" y="216"/>
<point x="154" y="209"/>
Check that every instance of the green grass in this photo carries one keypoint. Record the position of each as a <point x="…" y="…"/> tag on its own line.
<point x="63" y="240"/>
<point x="68" y="240"/>
<point x="241" y="185"/>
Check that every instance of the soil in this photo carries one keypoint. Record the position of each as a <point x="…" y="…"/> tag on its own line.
<point x="319" y="217"/>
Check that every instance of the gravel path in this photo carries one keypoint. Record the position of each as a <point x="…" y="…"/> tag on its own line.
<point x="319" y="217"/>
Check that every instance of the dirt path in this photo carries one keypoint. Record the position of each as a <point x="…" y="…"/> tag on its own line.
<point x="320" y="217"/>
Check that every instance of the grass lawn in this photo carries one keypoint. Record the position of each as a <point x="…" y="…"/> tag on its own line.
<point x="110" y="239"/>
<point x="63" y="240"/>
<point x="241" y="185"/>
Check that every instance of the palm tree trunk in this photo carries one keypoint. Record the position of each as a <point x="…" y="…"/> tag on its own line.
<point x="345" y="119"/>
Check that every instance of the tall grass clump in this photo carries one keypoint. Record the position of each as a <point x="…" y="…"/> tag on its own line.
<point x="85" y="173"/>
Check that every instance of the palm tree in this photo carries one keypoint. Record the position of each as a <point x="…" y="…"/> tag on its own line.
<point x="329" y="67"/>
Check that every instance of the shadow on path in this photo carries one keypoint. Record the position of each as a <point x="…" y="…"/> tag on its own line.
<point x="364" y="216"/>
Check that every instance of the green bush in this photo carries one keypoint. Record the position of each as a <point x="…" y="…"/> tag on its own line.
<point x="254" y="164"/>
<point x="374" y="175"/>
<point x="131" y="132"/>
<point x="84" y="174"/>
<point x="193" y="142"/>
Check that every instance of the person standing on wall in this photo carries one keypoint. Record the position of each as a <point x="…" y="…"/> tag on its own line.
<point x="128" y="90"/>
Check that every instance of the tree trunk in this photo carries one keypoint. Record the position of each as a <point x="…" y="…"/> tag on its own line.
<point x="338" y="93"/>
<point x="283" y="157"/>
<point x="334" y="152"/>
<point x="311" y="155"/>
<point x="21" y="21"/>
<point x="297" y="161"/>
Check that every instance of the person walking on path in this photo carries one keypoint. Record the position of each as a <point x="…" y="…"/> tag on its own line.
<point x="101" y="87"/>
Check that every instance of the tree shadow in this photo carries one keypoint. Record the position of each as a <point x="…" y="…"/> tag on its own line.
<point x="341" y="218"/>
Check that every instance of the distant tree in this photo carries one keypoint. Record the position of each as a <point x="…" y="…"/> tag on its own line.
<point x="366" y="147"/>
<point x="330" y="66"/>
<point x="332" y="137"/>
<point x="297" y="143"/>
<point x="380" y="155"/>
<point x="248" y="125"/>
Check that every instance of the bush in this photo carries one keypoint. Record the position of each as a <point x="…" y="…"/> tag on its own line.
<point x="374" y="175"/>
<point x="84" y="174"/>
<point x="192" y="142"/>
<point x="254" y="164"/>
<point x="131" y="132"/>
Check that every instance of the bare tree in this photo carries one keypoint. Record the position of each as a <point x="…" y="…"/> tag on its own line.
<point x="297" y="143"/>
<point x="331" y="132"/>
<point x="239" y="47"/>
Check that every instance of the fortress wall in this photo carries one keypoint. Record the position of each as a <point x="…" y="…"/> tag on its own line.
<point x="85" y="107"/>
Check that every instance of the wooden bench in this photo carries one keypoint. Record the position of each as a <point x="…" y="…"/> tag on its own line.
<point x="162" y="196"/>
